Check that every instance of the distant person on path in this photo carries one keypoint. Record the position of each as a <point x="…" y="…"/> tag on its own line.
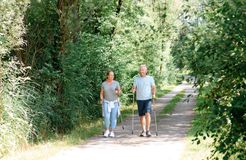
<point x="109" y="94"/>
<point x="144" y="86"/>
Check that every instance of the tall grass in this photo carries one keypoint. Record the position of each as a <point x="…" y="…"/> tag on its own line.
<point x="15" y="126"/>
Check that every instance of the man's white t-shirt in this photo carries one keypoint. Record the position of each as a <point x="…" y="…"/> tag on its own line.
<point x="143" y="87"/>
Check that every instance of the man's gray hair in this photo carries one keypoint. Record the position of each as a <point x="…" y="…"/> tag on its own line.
<point x="142" y="65"/>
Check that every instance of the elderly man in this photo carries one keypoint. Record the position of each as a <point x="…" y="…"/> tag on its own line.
<point x="144" y="86"/>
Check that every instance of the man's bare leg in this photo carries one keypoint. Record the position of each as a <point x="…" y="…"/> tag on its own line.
<point x="148" y="120"/>
<point x="142" y="122"/>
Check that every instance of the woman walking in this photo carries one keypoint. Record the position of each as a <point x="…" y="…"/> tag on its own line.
<point x="109" y="95"/>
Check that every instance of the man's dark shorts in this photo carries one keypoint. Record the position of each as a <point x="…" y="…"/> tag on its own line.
<point x="144" y="106"/>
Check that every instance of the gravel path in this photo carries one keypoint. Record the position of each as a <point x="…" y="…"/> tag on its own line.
<point x="168" y="145"/>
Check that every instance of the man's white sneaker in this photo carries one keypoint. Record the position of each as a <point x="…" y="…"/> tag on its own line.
<point x="111" y="134"/>
<point x="148" y="134"/>
<point x="142" y="134"/>
<point x="106" y="133"/>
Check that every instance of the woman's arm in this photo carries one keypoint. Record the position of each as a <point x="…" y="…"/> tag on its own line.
<point x="118" y="91"/>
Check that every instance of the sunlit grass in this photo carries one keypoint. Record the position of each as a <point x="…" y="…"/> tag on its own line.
<point x="172" y="104"/>
<point x="164" y="89"/>
<point x="43" y="151"/>
<point x="194" y="151"/>
<point x="83" y="132"/>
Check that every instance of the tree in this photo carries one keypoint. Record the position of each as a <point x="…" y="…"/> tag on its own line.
<point x="213" y="48"/>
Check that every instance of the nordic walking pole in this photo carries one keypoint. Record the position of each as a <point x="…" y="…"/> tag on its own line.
<point x="132" y="113"/>
<point x="156" y="130"/>
<point x="123" y="127"/>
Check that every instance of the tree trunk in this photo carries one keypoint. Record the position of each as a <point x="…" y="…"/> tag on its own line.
<point x="118" y="9"/>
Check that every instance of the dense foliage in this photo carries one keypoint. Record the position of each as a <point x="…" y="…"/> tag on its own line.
<point x="55" y="54"/>
<point x="14" y="112"/>
<point x="212" y="45"/>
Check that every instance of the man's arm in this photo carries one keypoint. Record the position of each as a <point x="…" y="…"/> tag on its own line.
<point x="134" y="86"/>
<point x="133" y="89"/>
<point x="153" y="90"/>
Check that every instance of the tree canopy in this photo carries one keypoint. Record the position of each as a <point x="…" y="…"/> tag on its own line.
<point x="212" y="45"/>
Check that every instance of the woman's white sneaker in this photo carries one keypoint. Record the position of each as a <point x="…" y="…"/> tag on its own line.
<point x="111" y="134"/>
<point x="106" y="133"/>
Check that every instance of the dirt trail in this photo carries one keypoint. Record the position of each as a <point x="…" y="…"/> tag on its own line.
<point x="168" y="145"/>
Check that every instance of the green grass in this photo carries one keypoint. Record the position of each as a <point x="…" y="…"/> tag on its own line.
<point x="172" y="104"/>
<point x="83" y="132"/>
<point x="162" y="90"/>
<point x="60" y="142"/>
